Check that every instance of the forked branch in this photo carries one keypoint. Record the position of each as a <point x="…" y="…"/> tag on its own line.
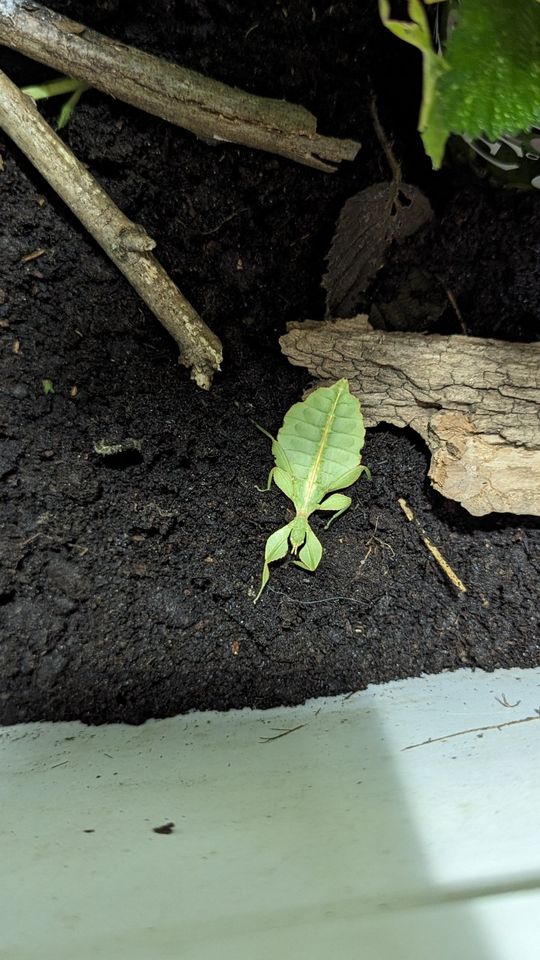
<point x="126" y="243"/>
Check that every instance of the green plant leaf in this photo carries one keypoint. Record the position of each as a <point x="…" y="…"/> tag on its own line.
<point x="55" y="88"/>
<point x="492" y="86"/>
<point x="417" y="32"/>
<point x="488" y="82"/>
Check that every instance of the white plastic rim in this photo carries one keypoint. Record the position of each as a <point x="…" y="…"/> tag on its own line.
<point x="399" y="823"/>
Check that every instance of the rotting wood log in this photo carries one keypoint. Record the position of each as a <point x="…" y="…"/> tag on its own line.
<point x="126" y="243"/>
<point x="475" y="402"/>
<point x="208" y="108"/>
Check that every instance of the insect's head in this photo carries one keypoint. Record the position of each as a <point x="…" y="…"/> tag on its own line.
<point x="298" y="533"/>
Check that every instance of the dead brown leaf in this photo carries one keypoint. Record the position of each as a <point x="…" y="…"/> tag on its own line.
<point x="368" y="223"/>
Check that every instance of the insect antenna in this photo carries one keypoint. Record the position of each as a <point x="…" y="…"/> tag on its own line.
<point x="277" y="443"/>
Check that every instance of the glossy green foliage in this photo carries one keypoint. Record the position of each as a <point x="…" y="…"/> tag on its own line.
<point x="492" y="85"/>
<point x="416" y="31"/>
<point x="488" y="81"/>
<point x="317" y="452"/>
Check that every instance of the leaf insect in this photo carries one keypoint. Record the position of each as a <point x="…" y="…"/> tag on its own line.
<point x="317" y="452"/>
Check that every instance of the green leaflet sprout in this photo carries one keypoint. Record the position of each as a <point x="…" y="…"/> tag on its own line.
<point x="317" y="451"/>
<point x="55" y="88"/>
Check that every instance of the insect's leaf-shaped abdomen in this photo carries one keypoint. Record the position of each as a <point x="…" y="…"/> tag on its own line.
<point x="322" y="437"/>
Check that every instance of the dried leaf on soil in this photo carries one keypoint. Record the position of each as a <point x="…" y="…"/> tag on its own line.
<point x="368" y="223"/>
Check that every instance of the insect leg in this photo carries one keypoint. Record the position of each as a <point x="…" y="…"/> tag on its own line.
<point x="349" y="477"/>
<point x="311" y="553"/>
<point x="338" y="502"/>
<point x="280" y="456"/>
<point x="268" y="482"/>
<point x="277" y="547"/>
<point x="285" y="482"/>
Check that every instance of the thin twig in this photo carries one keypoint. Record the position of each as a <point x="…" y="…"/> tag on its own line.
<point x="284" y="733"/>
<point x="126" y="243"/>
<point x="217" y="228"/>
<point x="462" y="733"/>
<point x="435" y="552"/>
<point x="393" y="163"/>
<point x="370" y="548"/>
<point x="209" y="109"/>
<point x="308" y="603"/>
<point x="504" y="701"/>
<point x="453" y="302"/>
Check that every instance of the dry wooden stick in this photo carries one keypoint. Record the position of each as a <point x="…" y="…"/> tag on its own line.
<point x="462" y="733"/>
<point x="475" y="402"/>
<point x="210" y="109"/>
<point x="126" y="243"/>
<point x="434" y="551"/>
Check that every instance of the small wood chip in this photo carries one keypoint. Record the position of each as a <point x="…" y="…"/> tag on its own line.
<point x="70" y="26"/>
<point x="33" y="256"/>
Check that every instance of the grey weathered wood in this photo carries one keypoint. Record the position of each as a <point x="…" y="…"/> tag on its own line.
<point x="126" y="243"/>
<point x="210" y="109"/>
<point x="475" y="402"/>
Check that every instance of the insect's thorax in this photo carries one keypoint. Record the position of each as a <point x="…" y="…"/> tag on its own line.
<point x="298" y="532"/>
<point x="308" y="497"/>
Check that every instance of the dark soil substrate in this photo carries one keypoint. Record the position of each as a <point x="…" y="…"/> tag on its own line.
<point x="126" y="584"/>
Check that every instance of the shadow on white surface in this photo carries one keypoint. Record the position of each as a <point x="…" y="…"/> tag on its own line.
<point x="328" y="840"/>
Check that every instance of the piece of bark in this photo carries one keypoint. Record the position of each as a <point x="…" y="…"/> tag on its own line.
<point x="210" y="109"/>
<point x="126" y="243"/>
<point x="475" y="402"/>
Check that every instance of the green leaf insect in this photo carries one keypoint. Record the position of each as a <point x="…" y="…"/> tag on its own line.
<point x="317" y="451"/>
